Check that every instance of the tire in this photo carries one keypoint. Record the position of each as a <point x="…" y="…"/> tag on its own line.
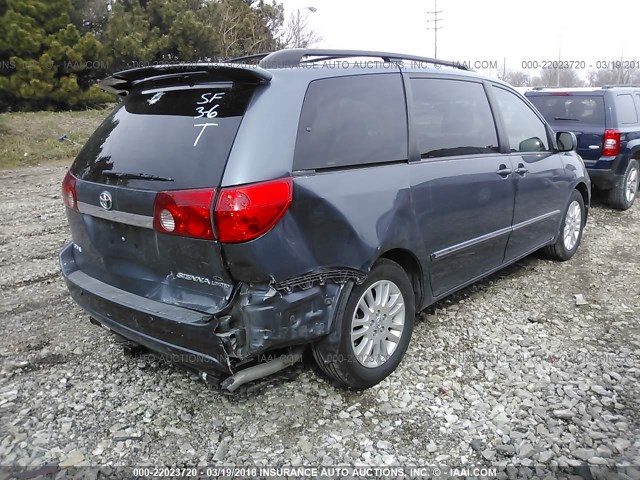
<point x="342" y="360"/>
<point x="570" y="234"/>
<point x="623" y="194"/>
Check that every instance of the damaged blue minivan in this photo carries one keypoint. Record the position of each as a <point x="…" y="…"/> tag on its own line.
<point x="230" y="215"/>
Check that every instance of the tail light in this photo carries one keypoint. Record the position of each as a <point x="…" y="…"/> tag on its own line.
<point x="184" y="212"/>
<point x="611" y="145"/>
<point x="69" y="196"/>
<point x="247" y="212"/>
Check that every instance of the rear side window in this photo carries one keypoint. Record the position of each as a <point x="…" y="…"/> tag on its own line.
<point x="350" y="121"/>
<point x="570" y="108"/>
<point x="626" y="110"/>
<point x="452" y="118"/>
<point x="526" y="132"/>
<point x="179" y="133"/>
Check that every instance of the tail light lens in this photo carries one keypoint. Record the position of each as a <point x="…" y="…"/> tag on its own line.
<point x="247" y="212"/>
<point x="184" y="212"/>
<point x="611" y="145"/>
<point x="69" y="196"/>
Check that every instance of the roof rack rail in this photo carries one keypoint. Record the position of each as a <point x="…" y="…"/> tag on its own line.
<point x="246" y="58"/>
<point x="293" y="57"/>
<point x="563" y="88"/>
<point x="618" y="85"/>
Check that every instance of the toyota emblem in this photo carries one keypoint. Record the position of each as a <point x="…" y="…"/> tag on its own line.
<point x="106" y="201"/>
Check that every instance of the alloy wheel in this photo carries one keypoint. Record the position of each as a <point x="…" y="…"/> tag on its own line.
<point x="572" y="225"/>
<point x="632" y="185"/>
<point x="377" y="323"/>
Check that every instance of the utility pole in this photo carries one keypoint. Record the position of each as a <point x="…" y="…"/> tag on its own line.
<point x="559" y="60"/>
<point x="435" y="21"/>
<point x="299" y="26"/>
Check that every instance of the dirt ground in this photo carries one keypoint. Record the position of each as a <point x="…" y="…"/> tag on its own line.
<point x="508" y="372"/>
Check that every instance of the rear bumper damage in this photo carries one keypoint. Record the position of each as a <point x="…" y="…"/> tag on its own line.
<point x="179" y="334"/>
<point x="260" y="318"/>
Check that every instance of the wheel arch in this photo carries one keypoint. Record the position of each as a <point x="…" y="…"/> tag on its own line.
<point x="584" y="191"/>
<point x="411" y="265"/>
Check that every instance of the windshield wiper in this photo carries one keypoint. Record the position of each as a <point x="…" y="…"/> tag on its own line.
<point x="143" y="176"/>
<point x="567" y="119"/>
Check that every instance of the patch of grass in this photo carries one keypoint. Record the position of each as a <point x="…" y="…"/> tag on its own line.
<point x="31" y="138"/>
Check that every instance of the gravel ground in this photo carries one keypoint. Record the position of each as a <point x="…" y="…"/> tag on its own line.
<point x="507" y="372"/>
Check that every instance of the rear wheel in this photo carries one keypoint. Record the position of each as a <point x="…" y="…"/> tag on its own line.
<point x="375" y="329"/>
<point x="623" y="194"/>
<point x="571" y="228"/>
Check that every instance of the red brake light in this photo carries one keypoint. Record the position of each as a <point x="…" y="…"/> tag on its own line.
<point x="184" y="212"/>
<point x="611" y="145"/>
<point x="69" y="196"/>
<point x="247" y="212"/>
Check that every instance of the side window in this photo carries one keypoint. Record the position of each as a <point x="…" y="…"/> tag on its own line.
<point x="452" y="117"/>
<point x="525" y="130"/>
<point x="348" y="121"/>
<point x="626" y="109"/>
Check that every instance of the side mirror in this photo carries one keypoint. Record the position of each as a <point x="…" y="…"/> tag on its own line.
<point x="533" y="144"/>
<point x="567" y="141"/>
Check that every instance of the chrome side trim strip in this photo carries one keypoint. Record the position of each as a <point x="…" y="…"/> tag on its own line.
<point x="469" y="243"/>
<point x="526" y="223"/>
<point x="489" y="236"/>
<point x="116" y="215"/>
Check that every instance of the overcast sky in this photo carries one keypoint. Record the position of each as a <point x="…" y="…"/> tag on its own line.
<point x="582" y="30"/>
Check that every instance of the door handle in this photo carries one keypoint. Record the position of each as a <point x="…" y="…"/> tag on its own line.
<point x="504" y="171"/>
<point x="521" y="170"/>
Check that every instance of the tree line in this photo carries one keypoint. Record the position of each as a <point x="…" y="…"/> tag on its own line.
<point x="52" y="52"/>
<point x="623" y="74"/>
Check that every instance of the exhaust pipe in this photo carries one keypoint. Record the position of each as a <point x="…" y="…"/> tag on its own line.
<point x="264" y="369"/>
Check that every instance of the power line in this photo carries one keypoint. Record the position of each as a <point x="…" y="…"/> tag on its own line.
<point x="435" y="21"/>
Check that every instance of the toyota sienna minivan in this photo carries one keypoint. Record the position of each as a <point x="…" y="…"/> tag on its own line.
<point x="230" y="215"/>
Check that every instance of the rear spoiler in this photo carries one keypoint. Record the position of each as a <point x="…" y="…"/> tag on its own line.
<point x="121" y="83"/>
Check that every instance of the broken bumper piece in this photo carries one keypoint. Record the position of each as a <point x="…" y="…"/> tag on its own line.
<point x="261" y="319"/>
<point x="179" y="334"/>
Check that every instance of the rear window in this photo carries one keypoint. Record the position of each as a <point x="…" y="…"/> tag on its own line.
<point x="350" y="121"/>
<point x="182" y="134"/>
<point x="626" y="109"/>
<point x="570" y="108"/>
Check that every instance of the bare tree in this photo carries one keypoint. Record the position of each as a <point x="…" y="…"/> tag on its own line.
<point x="229" y="28"/>
<point x="622" y="73"/>
<point x="602" y="77"/>
<point x="557" y="77"/>
<point x="516" y="78"/>
<point x="247" y="26"/>
<point x="297" y="32"/>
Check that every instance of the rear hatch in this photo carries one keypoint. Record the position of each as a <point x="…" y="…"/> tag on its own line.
<point x="171" y="133"/>
<point x="579" y="113"/>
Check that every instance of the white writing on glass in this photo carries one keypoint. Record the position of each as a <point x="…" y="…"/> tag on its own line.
<point x="210" y="98"/>
<point x="211" y="113"/>
<point x="204" y="127"/>
<point x="207" y="99"/>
